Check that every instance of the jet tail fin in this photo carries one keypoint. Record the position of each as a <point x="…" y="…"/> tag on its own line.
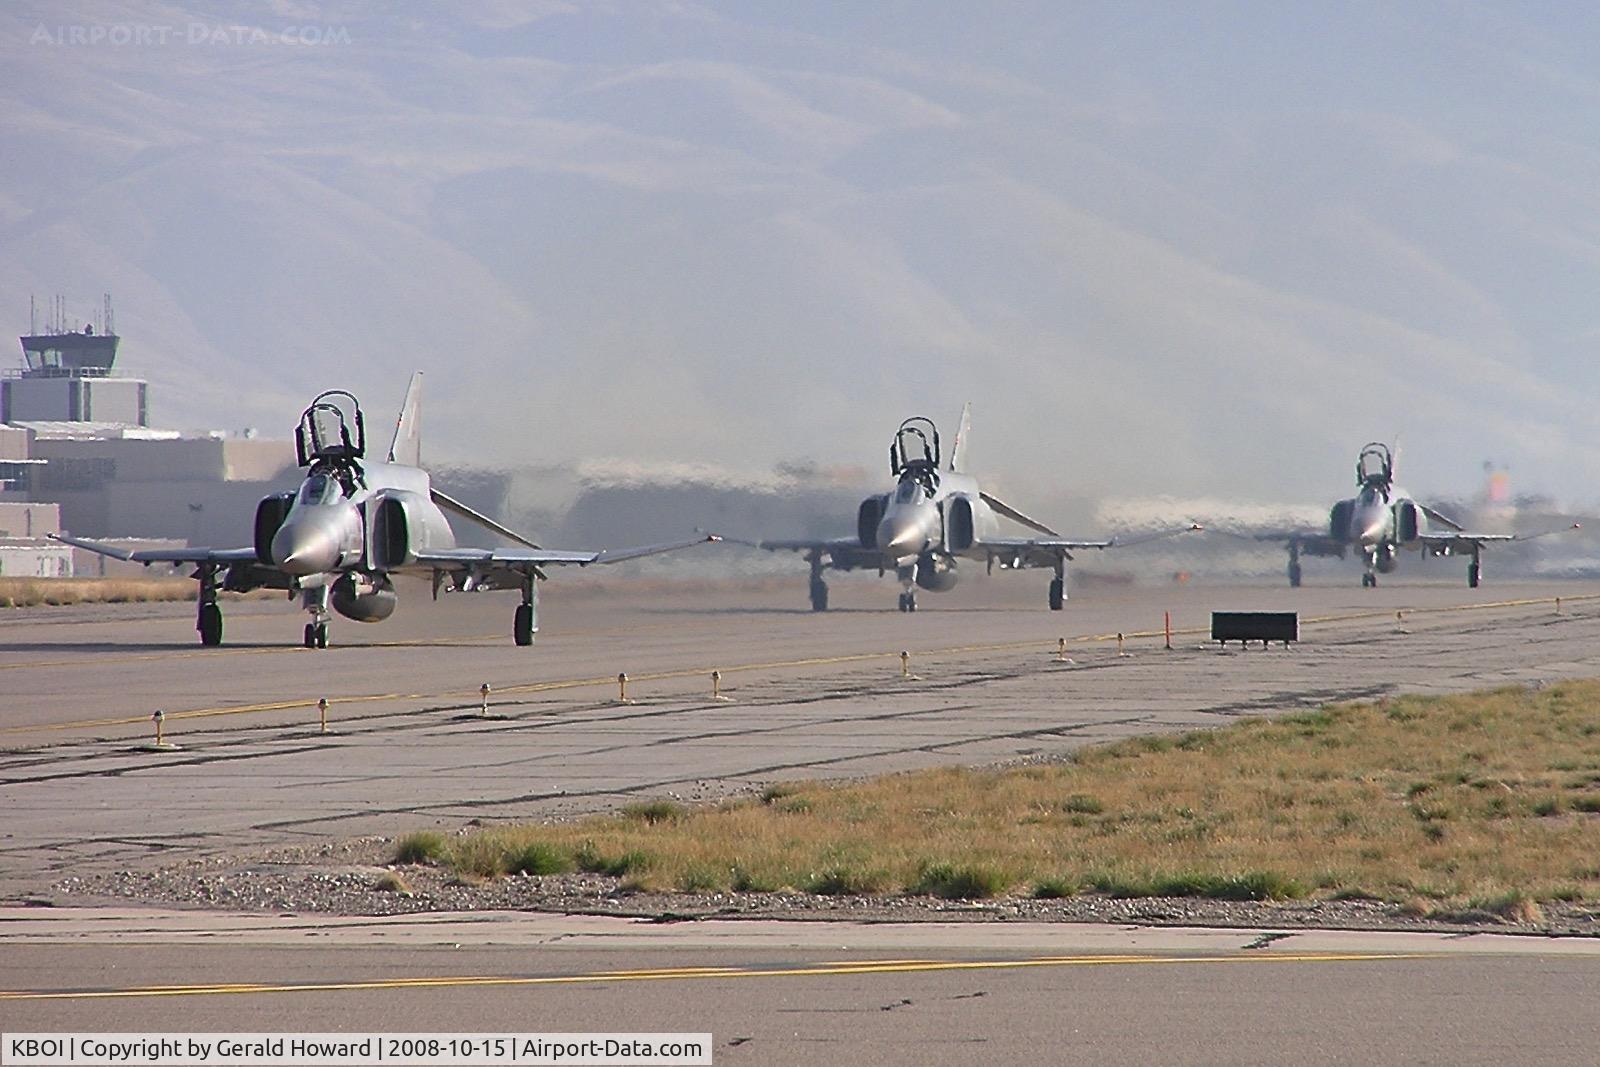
<point x="406" y="447"/>
<point x="958" y="451"/>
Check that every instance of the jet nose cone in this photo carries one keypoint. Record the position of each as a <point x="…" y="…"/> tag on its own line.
<point x="903" y="535"/>
<point x="305" y="546"/>
<point x="1369" y="525"/>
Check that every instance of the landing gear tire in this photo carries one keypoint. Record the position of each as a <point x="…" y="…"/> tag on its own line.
<point x="322" y="635"/>
<point x="819" y="595"/>
<point x="210" y="625"/>
<point x="1474" y="573"/>
<point x="522" y="626"/>
<point x="1369" y="581"/>
<point x="311" y="635"/>
<point x="316" y="635"/>
<point x="908" y="602"/>
<point x="1058" y="594"/>
<point x="1294" y="576"/>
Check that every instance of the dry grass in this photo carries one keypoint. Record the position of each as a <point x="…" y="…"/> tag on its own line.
<point x="1487" y="801"/>
<point x="32" y="592"/>
<point x="390" y="882"/>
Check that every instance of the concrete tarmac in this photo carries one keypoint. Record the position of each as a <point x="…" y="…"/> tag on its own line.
<point x="812" y="695"/>
<point x="802" y="993"/>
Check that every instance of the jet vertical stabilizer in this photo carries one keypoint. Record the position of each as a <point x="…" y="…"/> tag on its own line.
<point x="406" y="449"/>
<point x="958" y="451"/>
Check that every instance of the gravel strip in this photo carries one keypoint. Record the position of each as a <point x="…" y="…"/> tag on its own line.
<point x="355" y="878"/>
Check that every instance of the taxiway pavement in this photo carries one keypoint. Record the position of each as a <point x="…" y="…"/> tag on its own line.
<point x="802" y="993"/>
<point x="812" y="695"/>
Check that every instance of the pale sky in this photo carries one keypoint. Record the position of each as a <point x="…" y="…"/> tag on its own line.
<point x="1200" y="248"/>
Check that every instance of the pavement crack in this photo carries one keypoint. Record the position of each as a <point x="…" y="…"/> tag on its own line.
<point x="1264" y="940"/>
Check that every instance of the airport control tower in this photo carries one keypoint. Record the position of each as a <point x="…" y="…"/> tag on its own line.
<point x="66" y="374"/>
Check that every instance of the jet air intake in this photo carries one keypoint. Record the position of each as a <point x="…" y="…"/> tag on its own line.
<point x="1407" y="521"/>
<point x="270" y="514"/>
<point x="958" y="526"/>
<point x="1339" y="520"/>
<point x="868" y="516"/>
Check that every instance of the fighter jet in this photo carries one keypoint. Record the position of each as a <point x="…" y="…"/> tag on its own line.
<point x="1380" y="520"/>
<point x="355" y="523"/>
<point x="935" y="515"/>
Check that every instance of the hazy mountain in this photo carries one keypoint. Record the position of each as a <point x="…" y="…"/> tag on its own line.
<point x="1162" y="247"/>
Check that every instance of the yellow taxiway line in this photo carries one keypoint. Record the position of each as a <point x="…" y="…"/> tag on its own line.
<point x="863" y="967"/>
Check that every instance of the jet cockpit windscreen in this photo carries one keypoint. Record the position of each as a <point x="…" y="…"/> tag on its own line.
<point x="1375" y="466"/>
<point x="319" y="489"/>
<point x="331" y="429"/>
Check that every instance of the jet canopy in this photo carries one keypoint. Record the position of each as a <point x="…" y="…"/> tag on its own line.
<point x="916" y="445"/>
<point x="915" y="452"/>
<point x="324" y="433"/>
<point x="1375" y="466"/>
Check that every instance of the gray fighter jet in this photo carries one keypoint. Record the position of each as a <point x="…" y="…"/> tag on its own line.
<point x="936" y="515"/>
<point x="355" y="523"/>
<point x="1380" y="520"/>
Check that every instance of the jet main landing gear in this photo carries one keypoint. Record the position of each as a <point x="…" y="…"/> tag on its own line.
<point x="819" y="588"/>
<point x="208" y="617"/>
<point x="1369" y="581"/>
<point x="1294" y="565"/>
<point x="819" y="595"/>
<point x="1475" y="570"/>
<point x="1058" y="585"/>
<point x="317" y="634"/>
<point x="526" y="622"/>
<point x="908" y="600"/>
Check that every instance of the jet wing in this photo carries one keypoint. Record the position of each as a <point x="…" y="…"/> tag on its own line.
<point x="1310" y="542"/>
<point x="1444" y="544"/>
<point x="161" y="555"/>
<point x="1045" y="551"/>
<point x="534" y="557"/>
<point x="499" y="568"/>
<point x="844" y="553"/>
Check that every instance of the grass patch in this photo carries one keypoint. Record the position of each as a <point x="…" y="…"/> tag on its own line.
<point x="1462" y="803"/>
<point x="651" y="812"/>
<point x="424" y="846"/>
<point x="845" y="881"/>
<point x="540" y="857"/>
<point x="961" y="881"/>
